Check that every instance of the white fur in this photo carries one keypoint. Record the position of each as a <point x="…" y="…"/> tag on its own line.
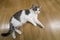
<point x="16" y="30"/>
<point x="38" y="22"/>
<point x="17" y="23"/>
<point x="13" y="35"/>
<point x="19" y="32"/>
<point x="32" y="18"/>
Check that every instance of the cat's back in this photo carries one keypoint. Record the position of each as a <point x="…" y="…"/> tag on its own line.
<point x="17" y="14"/>
<point x="21" y="14"/>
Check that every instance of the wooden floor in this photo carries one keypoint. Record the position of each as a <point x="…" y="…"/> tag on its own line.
<point x="49" y="16"/>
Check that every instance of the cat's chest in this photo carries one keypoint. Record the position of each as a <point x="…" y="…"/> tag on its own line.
<point x="32" y="15"/>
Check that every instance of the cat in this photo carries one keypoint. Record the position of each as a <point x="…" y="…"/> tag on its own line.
<point x="21" y="17"/>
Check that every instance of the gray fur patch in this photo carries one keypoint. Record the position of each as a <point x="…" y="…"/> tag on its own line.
<point x="17" y="15"/>
<point x="27" y="12"/>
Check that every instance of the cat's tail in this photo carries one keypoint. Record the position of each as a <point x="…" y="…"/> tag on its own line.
<point x="9" y="32"/>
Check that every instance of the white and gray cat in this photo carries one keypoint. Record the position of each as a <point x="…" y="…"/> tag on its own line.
<point x="21" y="17"/>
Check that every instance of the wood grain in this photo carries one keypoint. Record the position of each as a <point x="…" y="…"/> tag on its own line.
<point x="49" y="16"/>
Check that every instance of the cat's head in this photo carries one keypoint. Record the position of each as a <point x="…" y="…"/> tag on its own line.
<point x="36" y="9"/>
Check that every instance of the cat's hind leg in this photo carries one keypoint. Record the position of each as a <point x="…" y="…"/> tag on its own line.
<point x="13" y="34"/>
<point x="18" y="31"/>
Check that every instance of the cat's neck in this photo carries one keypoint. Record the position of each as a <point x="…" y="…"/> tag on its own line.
<point x="33" y="11"/>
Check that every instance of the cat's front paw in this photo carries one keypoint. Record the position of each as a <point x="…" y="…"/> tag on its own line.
<point x="43" y="27"/>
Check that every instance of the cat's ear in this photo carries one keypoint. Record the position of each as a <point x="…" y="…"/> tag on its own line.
<point x="33" y="6"/>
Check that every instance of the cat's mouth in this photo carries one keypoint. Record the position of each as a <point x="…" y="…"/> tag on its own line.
<point x="38" y="12"/>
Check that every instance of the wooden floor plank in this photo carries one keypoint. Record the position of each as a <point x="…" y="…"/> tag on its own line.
<point x="49" y="16"/>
